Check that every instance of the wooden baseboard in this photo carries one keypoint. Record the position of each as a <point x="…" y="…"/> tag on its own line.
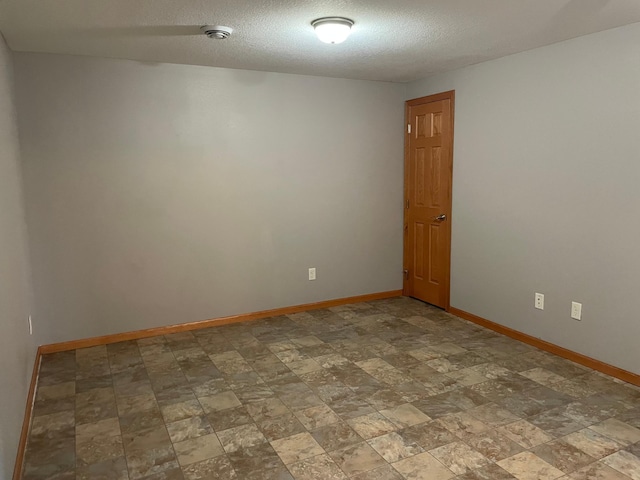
<point x="26" y="422"/>
<point x="550" y="347"/>
<point x="183" y="327"/>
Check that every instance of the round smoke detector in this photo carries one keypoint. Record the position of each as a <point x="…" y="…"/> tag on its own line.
<point x="218" y="32"/>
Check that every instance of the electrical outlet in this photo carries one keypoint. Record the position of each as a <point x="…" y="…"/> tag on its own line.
<point x="30" y="326"/>
<point x="576" y="311"/>
<point x="312" y="273"/>
<point x="539" y="301"/>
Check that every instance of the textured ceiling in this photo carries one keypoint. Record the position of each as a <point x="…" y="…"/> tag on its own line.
<point x="392" y="40"/>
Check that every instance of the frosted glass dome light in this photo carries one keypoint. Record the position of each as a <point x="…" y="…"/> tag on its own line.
<point x="332" y="29"/>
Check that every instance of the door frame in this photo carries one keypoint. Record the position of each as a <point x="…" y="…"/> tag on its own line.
<point x="448" y="95"/>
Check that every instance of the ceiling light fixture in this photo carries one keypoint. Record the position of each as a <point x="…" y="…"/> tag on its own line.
<point x="332" y="29"/>
<point x="218" y="32"/>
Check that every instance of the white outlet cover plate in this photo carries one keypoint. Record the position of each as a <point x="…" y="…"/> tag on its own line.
<point x="312" y="273"/>
<point x="576" y="311"/>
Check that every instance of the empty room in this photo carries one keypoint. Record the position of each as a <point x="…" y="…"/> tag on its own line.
<point x="334" y="240"/>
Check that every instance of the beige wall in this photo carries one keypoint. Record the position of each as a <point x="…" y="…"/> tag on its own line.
<point x="161" y="194"/>
<point x="16" y="349"/>
<point x="546" y="191"/>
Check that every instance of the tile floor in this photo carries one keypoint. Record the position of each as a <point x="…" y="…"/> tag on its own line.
<point x="385" y="390"/>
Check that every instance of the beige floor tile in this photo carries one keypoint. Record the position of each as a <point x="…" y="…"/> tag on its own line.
<point x="527" y="466"/>
<point x="597" y="471"/>
<point x="357" y="459"/>
<point x="459" y="457"/>
<point x="317" y="416"/>
<point x="315" y="468"/>
<point x="372" y="425"/>
<point x="405" y="415"/>
<point x="242" y="437"/>
<point x="625" y="463"/>
<point x="392" y="447"/>
<point x="525" y="434"/>
<point x="592" y="443"/>
<point x="297" y="447"/>
<point x="423" y="467"/>
<point x="621" y="432"/>
<point x="220" y="401"/>
<point x="198" y="449"/>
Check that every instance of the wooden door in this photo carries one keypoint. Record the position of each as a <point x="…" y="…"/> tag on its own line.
<point x="428" y="184"/>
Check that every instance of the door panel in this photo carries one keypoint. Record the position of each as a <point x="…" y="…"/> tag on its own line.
<point x="428" y="184"/>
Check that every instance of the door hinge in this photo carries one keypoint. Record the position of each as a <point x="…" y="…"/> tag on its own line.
<point x="408" y="128"/>
<point x="406" y="274"/>
<point x="407" y="203"/>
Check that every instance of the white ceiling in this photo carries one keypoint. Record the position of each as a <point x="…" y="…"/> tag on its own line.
<point x="392" y="40"/>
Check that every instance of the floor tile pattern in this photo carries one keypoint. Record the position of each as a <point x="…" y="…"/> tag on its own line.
<point x="389" y="390"/>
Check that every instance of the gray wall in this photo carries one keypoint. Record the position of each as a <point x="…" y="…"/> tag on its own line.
<point x="161" y="194"/>
<point x="16" y="349"/>
<point x="546" y="191"/>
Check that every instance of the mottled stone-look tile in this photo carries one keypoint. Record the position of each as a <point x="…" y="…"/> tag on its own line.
<point x="53" y="426"/>
<point x="181" y="410"/>
<point x="54" y="398"/>
<point x="621" y="432"/>
<point x="135" y="422"/>
<point x="467" y="376"/>
<point x="423" y="467"/>
<point x="198" y="449"/>
<point x="574" y="388"/>
<point x="136" y="404"/>
<point x="542" y="376"/>
<point x="563" y="456"/>
<point x="492" y="414"/>
<point x="336" y="436"/>
<point x="357" y="459"/>
<point x="302" y="367"/>
<point x="625" y="463"/>
<point x="241" y="438"/>
<point x="148" y="452"/>
<point x="405" y="415"/>
<point x="386" y="472"/>
<point x="494" y="445"/>
<point x="597" y="471"/>
<point x="174" y="473"/>
<point x="230" y="362"/>
<point x="217" y="468"/>
<point x="291" y="356"/>
<point x="371" y="425"/>
<point x="265" y="409"/>
<point x="437" y="406"/>
<point x="351" y="407"/>
<point x="459" y="457"/>
<point x="592" y="443"/>
<point x="490" y="472"/>
<point x="331" y="360"/>
<point x="393" y="447"/>
<point x="111" y="469"/>
<point x="98" y="441"/>
<point x="220" y="401"/>
<point x="229" y="418"/>
<point x="429" y="435"/>
<point x="462" y="424"/>
<point x="316" y="417"/>
<point x="280" y="427"/>
<point x="525" y="434"/>
<point x="555" y="423"/>
<point x="187" y="428"/>
<point x="318" y="467"/>
<point x="94" y="405"/>
<point x="527" y="466"/>
<point x="297" y="447"/>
